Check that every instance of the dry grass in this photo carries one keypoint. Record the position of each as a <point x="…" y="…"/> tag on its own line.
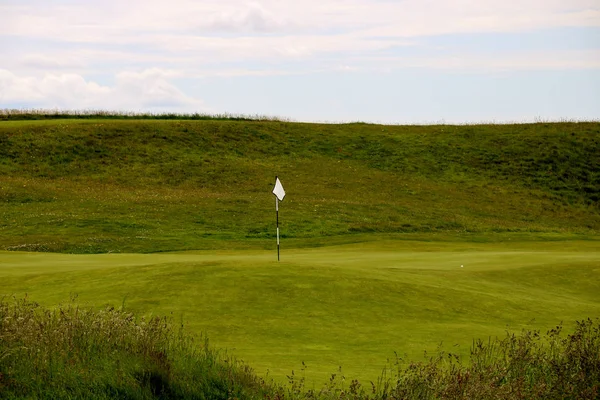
<point x="73" y="352"/>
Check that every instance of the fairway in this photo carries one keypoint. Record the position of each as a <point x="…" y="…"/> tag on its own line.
<point x="351" y="305"/>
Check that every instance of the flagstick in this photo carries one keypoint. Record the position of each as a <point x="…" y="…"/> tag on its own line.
<point x="279" y="195"/>
<point x="277" y="213"/>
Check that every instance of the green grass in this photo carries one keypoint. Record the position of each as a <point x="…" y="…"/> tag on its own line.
<point x="176" y="215"/>
<point x="49" y="115"/>
<point x="74" y="352"/>
<point x="350" y="305"/>
<point x="93" y="186"/>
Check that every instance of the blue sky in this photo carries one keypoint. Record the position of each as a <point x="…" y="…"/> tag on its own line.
<point x="406" y="61"/>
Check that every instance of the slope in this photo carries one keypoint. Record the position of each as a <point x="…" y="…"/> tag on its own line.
<point x="156" y="185"/>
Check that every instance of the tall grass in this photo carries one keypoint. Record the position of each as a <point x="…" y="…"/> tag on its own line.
<point x="73" y="352"/>
<point x="519" y="366"/>
<point x="49" y="114"/>
<point x="525" y="366"/>
<point x="93" y="186"/>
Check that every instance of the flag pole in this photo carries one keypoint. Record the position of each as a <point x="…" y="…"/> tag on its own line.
<point x="279" y="195"/>
<point x="277" y="213"/>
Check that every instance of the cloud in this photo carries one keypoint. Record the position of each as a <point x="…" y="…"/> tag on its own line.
<point x="184" y="33"/>
<point x="563" y="60"/>
<point x="116" y="22"/>
<point x="252" y="18"/>
<point x="146" y="90"/>
<point x="447" y="21"/>
<point x="46" y="61"/>
<point x="273" y="48"/>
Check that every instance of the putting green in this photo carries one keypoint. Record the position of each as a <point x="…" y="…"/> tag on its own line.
<point x="350" y="305"/>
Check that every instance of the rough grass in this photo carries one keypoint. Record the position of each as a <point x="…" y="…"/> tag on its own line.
<point x="103" y="185"/>
<point x="46" y="114"/>
<point x="72" y="352"/>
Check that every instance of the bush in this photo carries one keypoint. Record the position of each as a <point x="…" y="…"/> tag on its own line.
<point x="71" y="352"/>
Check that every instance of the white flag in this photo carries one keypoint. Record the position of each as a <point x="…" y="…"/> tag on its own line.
<point x="278" y="190"/>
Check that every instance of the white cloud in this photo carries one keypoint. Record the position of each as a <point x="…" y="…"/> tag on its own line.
<point x="250" y="18"/>
<point x="448" y="21"/>
<point x="131" y="22"/>
<point x="145" y="90"/>
<point x="563" y="60"/>
<point x="272" y="48"/>
<point x="51" y="62"/>
<point x="182" y="33"/>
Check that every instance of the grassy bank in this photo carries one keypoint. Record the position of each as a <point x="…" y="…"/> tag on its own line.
<point x="72" y="352"/>
<point x="89" y="186"/>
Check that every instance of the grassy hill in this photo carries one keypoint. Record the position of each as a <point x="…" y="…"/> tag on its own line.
<point x="100" y="185"/>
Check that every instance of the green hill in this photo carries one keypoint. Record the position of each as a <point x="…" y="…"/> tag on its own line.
<point x="121" y="185"/>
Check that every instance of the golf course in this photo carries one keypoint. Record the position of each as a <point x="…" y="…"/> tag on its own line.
<point x="397" y="242"/>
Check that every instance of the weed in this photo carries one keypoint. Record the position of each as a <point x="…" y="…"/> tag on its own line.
<point x="73" y="352"/>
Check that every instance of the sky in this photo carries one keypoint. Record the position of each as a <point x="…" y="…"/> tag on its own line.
<point x="380" y="61"/>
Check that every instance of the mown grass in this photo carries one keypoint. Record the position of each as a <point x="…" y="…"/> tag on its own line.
<point x="73" y="352"/>
<point x="351" y="305"/>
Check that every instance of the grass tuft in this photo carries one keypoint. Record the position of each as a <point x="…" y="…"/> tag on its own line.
<point x="73" y="352"/>
<point x="529" y="365"/>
